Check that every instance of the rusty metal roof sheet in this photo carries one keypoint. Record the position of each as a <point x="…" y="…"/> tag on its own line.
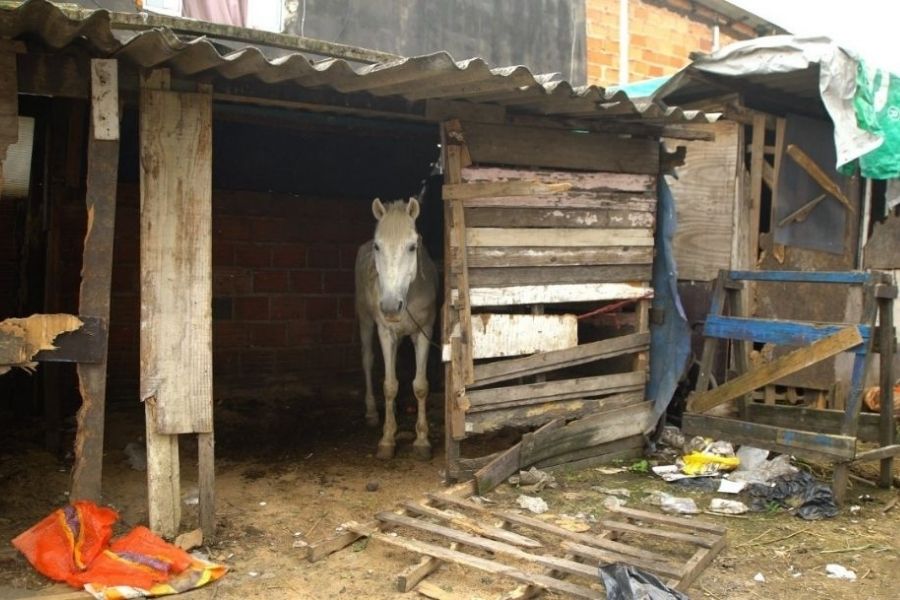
<point x="134" y="38"/>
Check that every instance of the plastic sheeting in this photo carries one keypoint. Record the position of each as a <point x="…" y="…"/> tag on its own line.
<point x="670" y="340"/>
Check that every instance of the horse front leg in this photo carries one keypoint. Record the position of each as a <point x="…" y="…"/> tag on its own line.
<point x="389" y="343"/>
<point x="366" y="336"/>
<point x="421" y="447"/>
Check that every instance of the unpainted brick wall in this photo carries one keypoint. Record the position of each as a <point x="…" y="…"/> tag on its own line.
<point x="660" y="40"/>
<point x="283" y="315"/>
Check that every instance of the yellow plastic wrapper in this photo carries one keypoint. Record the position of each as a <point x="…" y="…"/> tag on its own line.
<point x="706" y="463"/>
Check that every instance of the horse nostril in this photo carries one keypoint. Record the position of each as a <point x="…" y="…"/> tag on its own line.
<point x="400" y="307"/>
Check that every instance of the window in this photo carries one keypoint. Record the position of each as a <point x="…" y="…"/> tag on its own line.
<point x="165" y="7"/>
<point x="265" y="15"/>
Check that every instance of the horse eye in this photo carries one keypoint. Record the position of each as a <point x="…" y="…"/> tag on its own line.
<point x="412" y="248"/>
<point x="377" y="248"/>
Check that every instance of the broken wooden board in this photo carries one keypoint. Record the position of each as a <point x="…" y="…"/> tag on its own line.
<point x="22" y="338"/>
<point x="556" y="293"/>
<point x="827" y="347"/>
<point x="498" y="335"/>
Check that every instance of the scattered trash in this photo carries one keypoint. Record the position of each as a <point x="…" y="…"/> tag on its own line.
<point x="372" y="486"/>
<point x="299" y="544"/>
<point x="191" y="496"/>
<point x="712" y="459"/>
<point x="836" y="571"/>
<point x="704" y="483"/>
<point x="726" y="486"/>
<point x="262" y="503"/>
<point x="766" y="471"/>
<point x="613" y="502"/>
<point x="624" y="582"/>
<point x="190" y="540"/>
<point x="622" y="492"/>
<point x="136" y="454"/>
<point x="533" y="480"/>
<point x="872" y="398"/>
<point x="72" y="544"/>
<point x="807" y="498"/>
<point x="673" y="504"/>
<point x="759" y="577"/>
<point x="672" y="437"/>
<point x="253" y="573"/>
<point x="572" y="524"/>
<point x="534" y="504"/>
<point x="727" y="507"/>
<point x="866" y="498"/>
<point x="610" y="470"/>
<point x="751" y="457"/>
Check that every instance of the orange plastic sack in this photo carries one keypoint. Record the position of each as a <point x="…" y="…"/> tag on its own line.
<point x="139" y="559"/>
<point x="68" y="540"/>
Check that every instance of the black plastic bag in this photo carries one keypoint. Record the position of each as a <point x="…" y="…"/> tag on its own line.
<point x="809" y="498"/>
<point x="624" y="582"/>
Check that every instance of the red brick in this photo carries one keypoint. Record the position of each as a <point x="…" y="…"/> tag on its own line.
<point x="347" y="308"/>
<point x="252" y="255"/>
<point x="323" y="256"/>
<point x="232" y="228"/>
<point x="292" y="256"/>
<point x="268" y="229"/>
<point x="270" y="281"/>
<point x="222" y="253"/>
<point x="229" y="334"/>
<point x="251" y="308"/>
<point x="338" y="332"/>
<point x="267" y="335"/>
<point x="338" y="282"/>
<point x="287" y="307"/>
<point x="348" y="256"/>
<point x="301" y="332"/>
<point x="321" y="308"/>
<point x="257" y="362"/>
<point x="231" y="280"/>
<point x="225" y="363"/>
<point x="306" y="282"/>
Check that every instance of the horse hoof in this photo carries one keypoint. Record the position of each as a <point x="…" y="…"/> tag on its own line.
<point x="372" y="420"/>
<point x="384" y="452"/>
<point x="422" y="451"/>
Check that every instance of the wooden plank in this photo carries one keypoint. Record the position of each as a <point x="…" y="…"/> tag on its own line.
<point x="508" y="462"/>
<point x="497" y="371"/>
<point x="670" y="520"/>
<point x="556" y="293"/>
<point x="86" y="344"/>
<point x="454" y="424"/>
<point x="778" y="368"/>
<point x="881" y="453"/>
<point x="600" y="428"/>
<point x="430" y="590"/>
<point x="496" y="335"/>
<point x="779" y="439"/>
<point x="532" y="146"/>
<point x="812" y="419"/>
<point x="475" y="562"/>
<point x="559" y="217"/>
<point x="410" y="577"/>
<point x="705" y="203"/>
<point x="9" y="102"/>
<point x="593" y="182"/>
<point x="96" y="273"/>
<point x="566" y="389"/>
<point x="887" y="430"/>
<point x="631" y="203"/>
<point x="850" y="277"/>
<point x="503" y="277"/>
<point x="704" y="541"/>
<point x="769" y="331"/>
<point x="701" y="559"/>
<point x="757" y="144"/>
<point x="492" y="189"/>
<point x="481" y="543"/>
<point x="470" y="526"/>
<point x="666" y="568"/>
<point x="206" y="483"/>
<point x="458" y="402"/>
<point x="550" y="256"/>
<point x="710" y="344"/>
<point x="818" y="174"/>
<point x="519" y="236"/>
<point x="536" y="414"/>
<point x="594" y="455"/>
<point x="176" y="253"/>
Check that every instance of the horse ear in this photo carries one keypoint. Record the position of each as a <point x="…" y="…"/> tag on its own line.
<point x="378" y="209"/>
<point x="412" y="208"/>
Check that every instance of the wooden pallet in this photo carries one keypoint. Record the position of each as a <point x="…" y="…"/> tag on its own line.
<point x="536" y="553"/>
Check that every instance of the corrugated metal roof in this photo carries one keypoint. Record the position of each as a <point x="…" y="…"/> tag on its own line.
<point x="433" y="76"/>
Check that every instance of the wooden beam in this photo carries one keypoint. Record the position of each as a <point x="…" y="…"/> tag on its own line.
<point x="510" y="461"/>
<point x="494" y="189"/>
<point x="555" y="293"/>
<point x="781" y="367"/>
<point x="497" y="335"/>
<point x="563" y="237"/>
<point x="176" y="329"/>
<point x="887" y="341"/>
<point x="96" y="272"/>
<point x="812" y="419"/>
<point x="413" y="576"/>
<point x="756" y="182"/>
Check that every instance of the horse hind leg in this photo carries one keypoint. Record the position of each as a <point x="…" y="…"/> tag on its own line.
<point x="389" y="349"/>
<point x="421" y="447"/>
<point x="366" y="335"/>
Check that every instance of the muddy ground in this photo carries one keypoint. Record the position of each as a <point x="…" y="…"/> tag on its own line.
<point x="293" y="472"/>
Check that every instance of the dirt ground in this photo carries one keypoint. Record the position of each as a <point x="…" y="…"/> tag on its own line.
<point x="293" y="472"/>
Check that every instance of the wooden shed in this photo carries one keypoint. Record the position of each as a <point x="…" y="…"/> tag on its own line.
<point x="547" y="220"/>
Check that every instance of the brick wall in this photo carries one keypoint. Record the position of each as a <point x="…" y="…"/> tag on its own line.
<point x="661" y="39"/>
<point x="283" y="314"/>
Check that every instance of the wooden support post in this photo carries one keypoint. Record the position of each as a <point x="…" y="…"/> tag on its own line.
<point x="96" y="271"/>
<point x="886" y="343"/>
<point x="642" y="325"/>
<point x="176" y="290"/>
<point x="757" y="151"/>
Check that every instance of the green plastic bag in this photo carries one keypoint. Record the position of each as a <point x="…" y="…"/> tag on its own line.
<point x="877" y="104"/>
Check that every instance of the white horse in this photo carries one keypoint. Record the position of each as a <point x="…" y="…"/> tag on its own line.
<point x="396" y="288"/>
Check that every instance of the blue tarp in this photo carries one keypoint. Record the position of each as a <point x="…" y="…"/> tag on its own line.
<point x="670" y="340"/>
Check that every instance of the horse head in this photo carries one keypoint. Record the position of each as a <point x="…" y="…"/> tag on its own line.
<point x="395" y="249"/>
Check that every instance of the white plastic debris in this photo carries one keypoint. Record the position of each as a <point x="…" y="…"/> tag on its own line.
<point x="534" y="504"/>
<point x="673" y="504"/>
<point x="262" y="503"/>
<point x="727" y="507"/>
<point x="613" y="502"/>
<point x="765" y="472"/>
<point x="671" y="436"/>
<point x="759" y="577"/>
<point x="855" y="509"/>
<point x="621" y="492"/>
<point x="610" y="470"/>
<point x="751" y="457"/>
<point x="726" y="486"/>
<point x="836" y="571"/>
